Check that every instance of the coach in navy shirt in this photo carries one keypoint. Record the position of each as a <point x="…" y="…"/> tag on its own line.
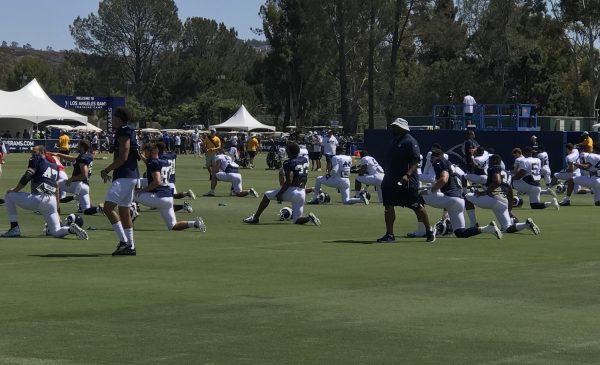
<point x="400" y="186"/>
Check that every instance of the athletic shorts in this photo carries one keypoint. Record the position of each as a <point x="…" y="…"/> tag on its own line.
<point x="121" y="191"/>
<point x="401" y="196"/>
<point x="251" y="154"/>
<point x="314" y="156"/>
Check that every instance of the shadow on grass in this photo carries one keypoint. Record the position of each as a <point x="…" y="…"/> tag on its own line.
<point x="363" y="242"/>
<point x="74" y="255"/>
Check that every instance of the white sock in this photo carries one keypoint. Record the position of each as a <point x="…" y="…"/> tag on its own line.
<point x="129" y="234"/>
<point x="472" y="217"/>
<point x="486" y="229"/>
<point x="521" y="226"/>
<point x="191" y="224"/>
<point x="118" y="227"/>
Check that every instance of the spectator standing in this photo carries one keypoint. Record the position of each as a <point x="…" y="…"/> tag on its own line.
<point x="469" y="104"/>
<point x="330" y="144"/>
<point x="212" y="145"/>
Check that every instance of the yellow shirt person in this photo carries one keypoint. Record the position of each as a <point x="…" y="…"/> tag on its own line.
<point x="63" y="143"/>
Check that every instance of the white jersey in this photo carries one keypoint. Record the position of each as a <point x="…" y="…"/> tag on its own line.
<point x="519" y="164"/>
<point x="226" y="164"/>
<point x="543" y="156"/>
<point x="532" y="167"/>
<point x="373" y="166"/>
<point x="340" y="166"/>
<point x="481" y="162"/>
<point x="303" y="152"/>
<point x="572" y="158"/>
<point x="594" y="160"/>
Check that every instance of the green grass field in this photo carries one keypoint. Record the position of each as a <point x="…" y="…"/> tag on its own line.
<point x="277" y="293"/>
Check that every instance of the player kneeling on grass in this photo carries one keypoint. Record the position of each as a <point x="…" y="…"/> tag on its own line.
<point x="43" y="197"/>
<point x="446" y="193"/>
<point x="158" y="194"/>
<point x="224" y="169"/>
<point x="295" y="170"/>
<point x="78" y="183"/>
<point x="498" y="197"/>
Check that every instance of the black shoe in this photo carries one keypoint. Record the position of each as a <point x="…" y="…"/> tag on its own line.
<point x="124" y="250"/>
<point x="387" y="238"/>
<point x="430" y="237"/>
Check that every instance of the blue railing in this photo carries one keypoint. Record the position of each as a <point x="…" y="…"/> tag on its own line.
<point x="486" y="116"/>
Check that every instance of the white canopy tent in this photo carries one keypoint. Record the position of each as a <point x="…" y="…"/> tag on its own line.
<point x="243" y="120"/>
<point x="30" y="106"/>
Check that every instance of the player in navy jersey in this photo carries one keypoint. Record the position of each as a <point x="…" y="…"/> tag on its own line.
<point x="78" y="183"/>
<point x="124" y="180"/>
<point x="171" y="157"/>
<point x="296" y="173"/>
<point x="446" y="193"/>
<point x="158" y="194"/>
<point x="43" y="197"/>
<point x="498" y="196"/>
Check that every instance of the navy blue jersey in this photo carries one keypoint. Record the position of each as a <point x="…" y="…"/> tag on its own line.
<point x="401" y="154"/>
<point x="452" y="188"/>
<point x="46" y="172"/>
<point x="171" y="157"/>
<point x="129" y="169"/>
<point x="162" y="166"/>
<point x="86" y="159"/>
<point x="299" y="168"/>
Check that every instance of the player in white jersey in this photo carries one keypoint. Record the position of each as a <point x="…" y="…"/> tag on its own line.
<point x="370" y="173"/>
<point x="527" y="179"/>
<point x="545" y="160"/>
<point x="497" y="197"/>
<point x="590" y="162"/>
<point x="480" y="166"/>
<point x="338" y="177"/>
<point x="570" y="171"/>
<point x="224" y="169"/>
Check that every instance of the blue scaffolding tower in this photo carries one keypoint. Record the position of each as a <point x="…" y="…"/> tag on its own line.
<point x="520" y="117"/>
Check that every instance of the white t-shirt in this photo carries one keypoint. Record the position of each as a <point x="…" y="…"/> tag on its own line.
<point x="329" y="145"/>
<point x="468" y="103"/>
<point x="532" y="166"/>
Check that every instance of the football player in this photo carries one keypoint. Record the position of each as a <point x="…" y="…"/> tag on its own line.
<point x="527" y="178"/>
<point x="498" y="196"/>
<point x="224" y="169"/>
<point x="339" y="177"/>
<point x="570" y="172"/>
<point x="370" y="173"/>
<point x="427" y="176"/>
<point x="446" y="193"/>
<point x="171" y="158"/>
<point x="545" y="170"/>
<point x="590" y="162"/>
<point x="292" y="190"/>
<point x="43" y="197"/>
<point x="480" y="166"/>
<point x="158" y="193"/>
<point x="78" y="183"/>
<point x="124" y="180"/>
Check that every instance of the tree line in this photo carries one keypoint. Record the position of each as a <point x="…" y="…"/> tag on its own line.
<point x="355" y="61"/>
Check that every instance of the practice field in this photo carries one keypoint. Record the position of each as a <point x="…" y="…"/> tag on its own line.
<point x="276" y="293"/>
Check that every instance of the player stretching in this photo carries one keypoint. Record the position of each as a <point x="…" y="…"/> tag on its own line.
<point x="124" y="179"/>
<point x="296" y="172"/>
<point x="158" y="194"/>
<point x="43" y="198"/>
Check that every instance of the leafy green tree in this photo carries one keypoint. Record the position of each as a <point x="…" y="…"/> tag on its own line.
<point x="29" y="68"/>
<point x="136" y="33"/>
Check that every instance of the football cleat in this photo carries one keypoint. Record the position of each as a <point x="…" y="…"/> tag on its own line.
<point x="313" y="218"/>
<point x="364" y="198"/>
<point x="124" y="250"/>
<point x="496" y="231"/>
<point x="191" y="194"/>
<point x="210" y="193"/>
<point x="555" y="204"/>
<point x="565" y="203"/>
<point x="251" y="220"/>
<point x="78" y="231"/>
<point x="45" y="231"/>
<point x="253" y="192"/>
<point x="13" y="232"/>
<point x="430" y="237"/>
<point x="187" y="207"/>
<point x="532" y="226"/>
<point x="199" y="223"/>
<point x="387" y="238"/>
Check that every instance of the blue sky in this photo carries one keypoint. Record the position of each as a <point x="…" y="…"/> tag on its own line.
<point x="44" y="23"/>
